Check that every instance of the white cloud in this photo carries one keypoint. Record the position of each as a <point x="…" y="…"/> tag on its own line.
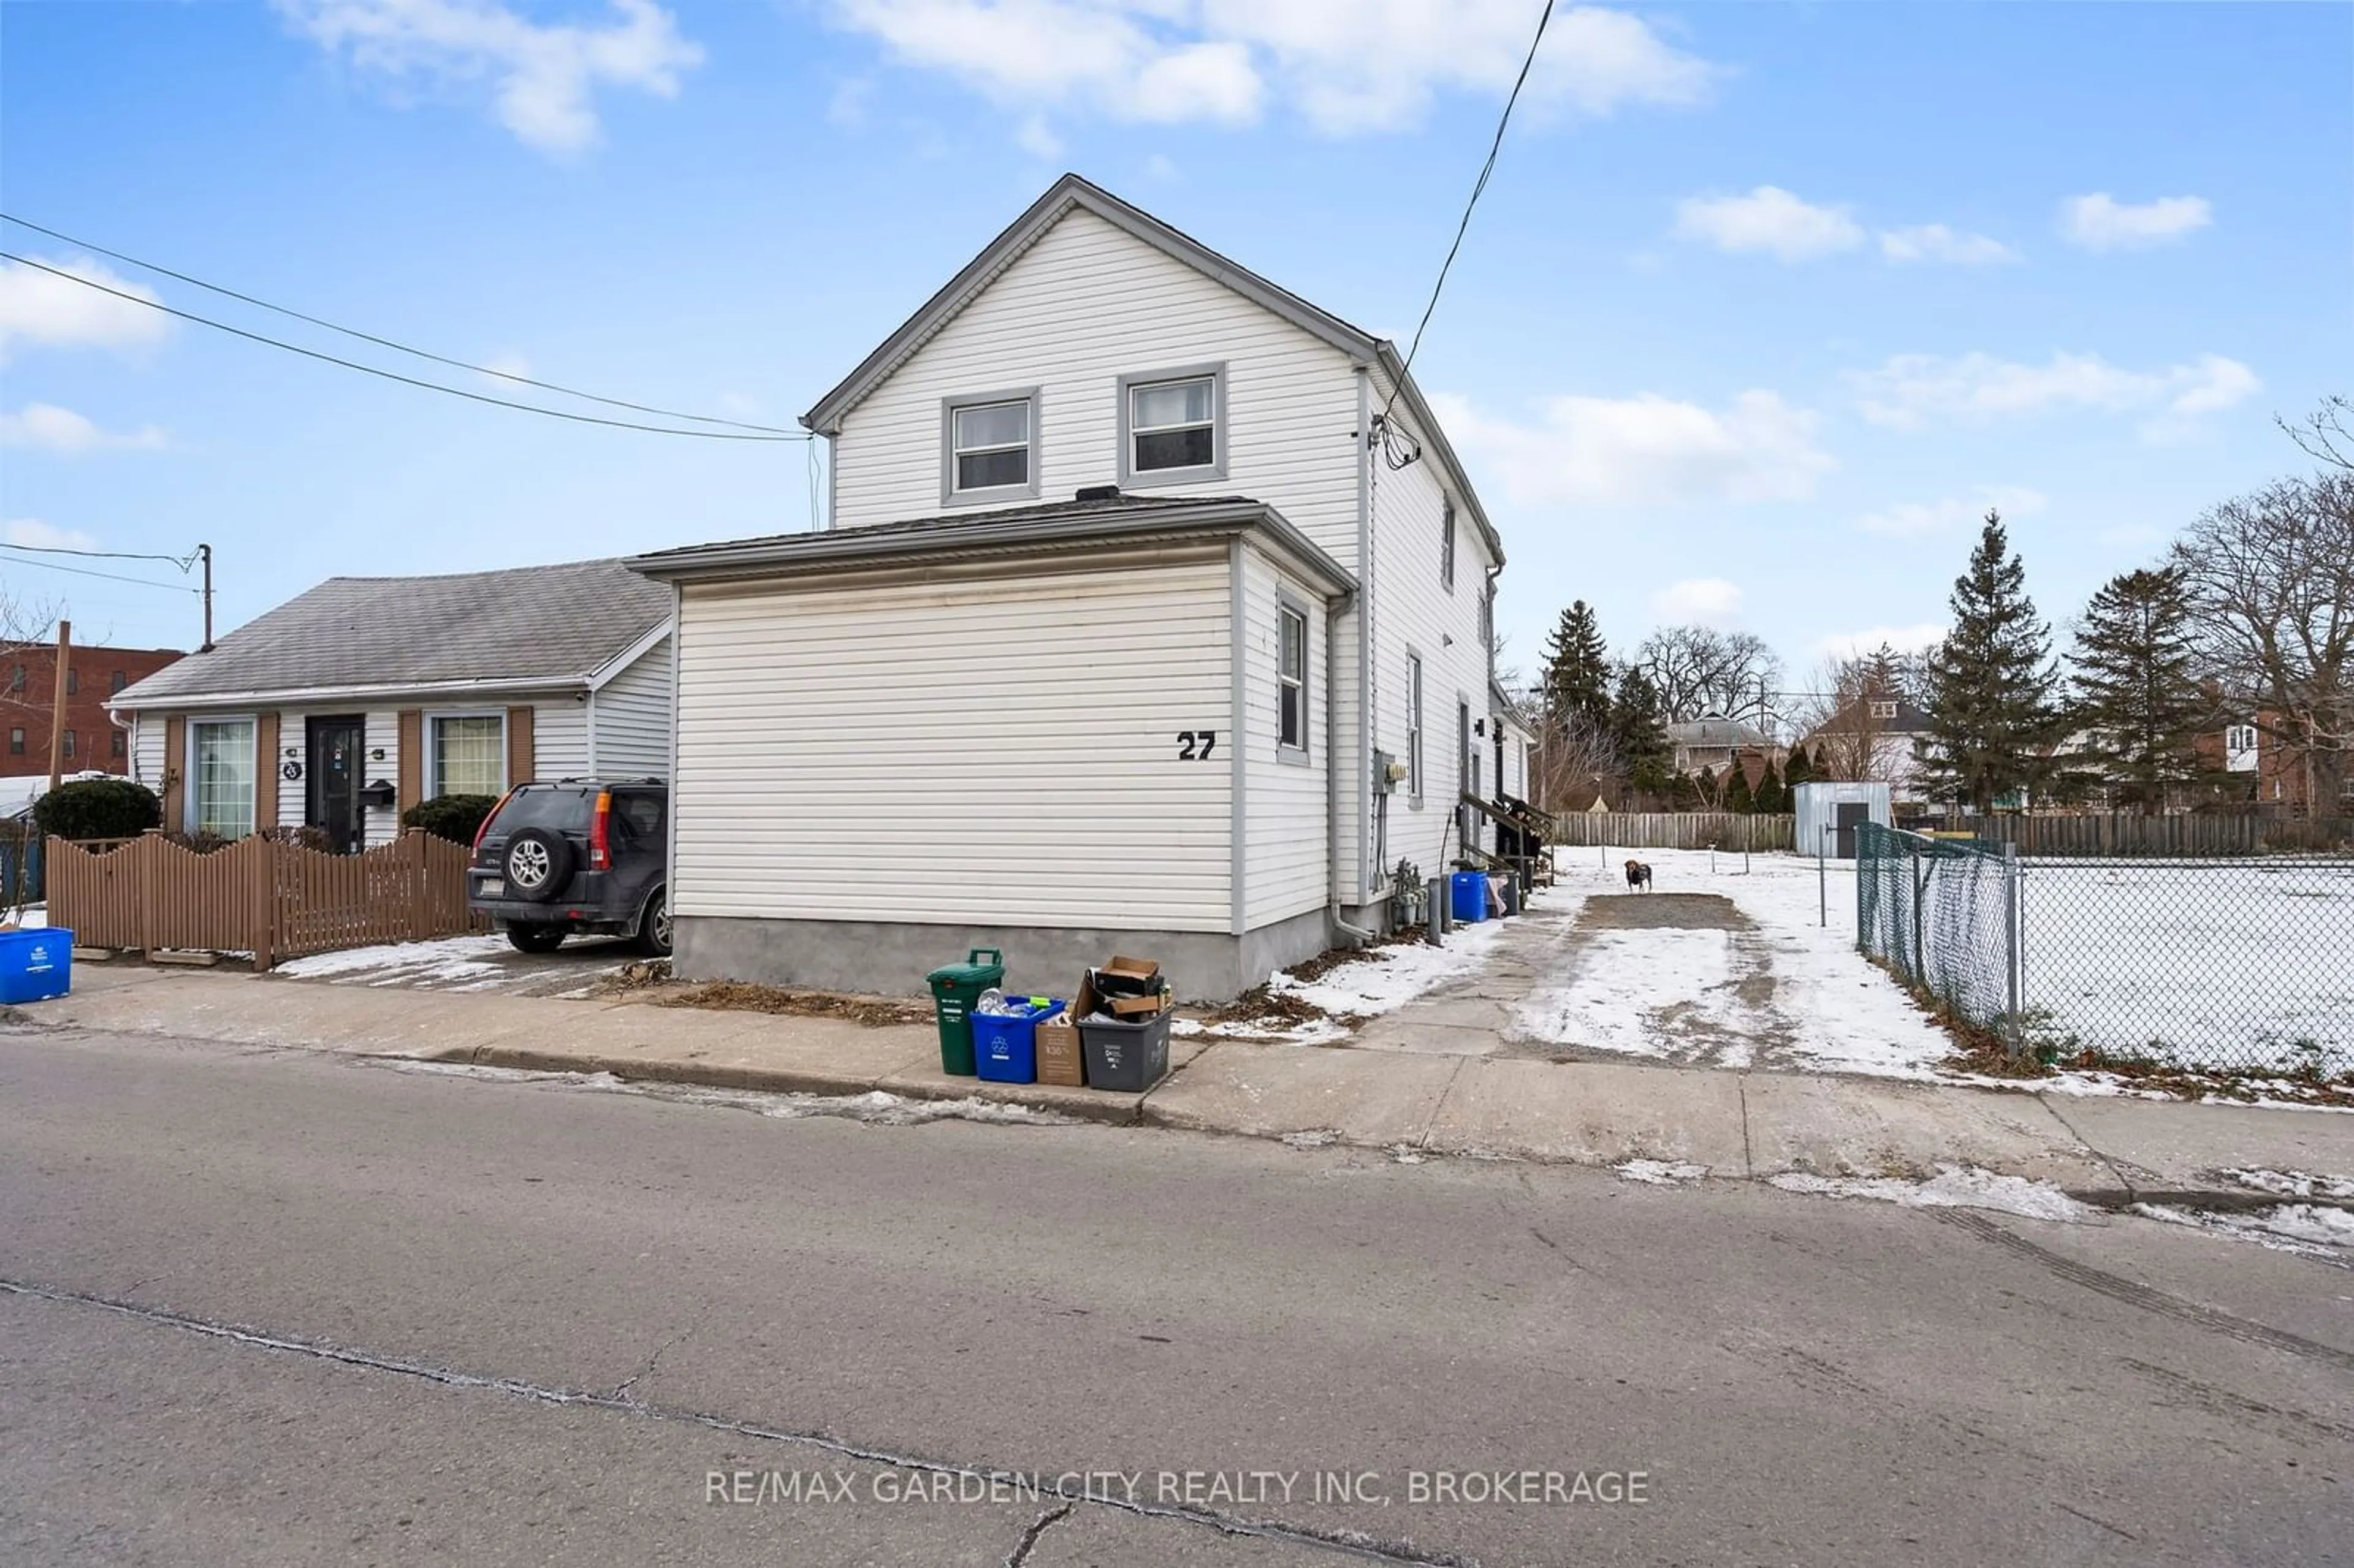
<point x="1911" y="519"/>
<point x="1643" y="451"/>
<point x="40" y="536"/>
<point x="1936" y="242"/>
<point x="1911" y="639"/>
<point x="42" y="308"/>
<point x="1698" y="601"/>
<point x="1037" y="137"/>
<point x="1770" y="220"/>
<point x="51" y="429"/>
<point x="1911" y="390"/>
<point x="1348" y="68"/>
<point x="2101" y="222"/>
<point x="544" y="77"/>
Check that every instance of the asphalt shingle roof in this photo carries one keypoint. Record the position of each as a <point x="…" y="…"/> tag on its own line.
<point x="951" y="523"/>
<point x="530" y="625"/>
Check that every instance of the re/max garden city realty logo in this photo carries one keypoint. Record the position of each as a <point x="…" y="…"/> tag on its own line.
<point x="1178" y="1488"/>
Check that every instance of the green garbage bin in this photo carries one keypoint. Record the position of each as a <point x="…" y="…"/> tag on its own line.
<point x="955" y="987"/>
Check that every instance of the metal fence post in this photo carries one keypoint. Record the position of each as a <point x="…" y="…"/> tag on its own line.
<point x="2014" y="953"/>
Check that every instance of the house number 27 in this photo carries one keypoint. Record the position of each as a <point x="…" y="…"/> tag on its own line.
<point x="1195" y="744"/>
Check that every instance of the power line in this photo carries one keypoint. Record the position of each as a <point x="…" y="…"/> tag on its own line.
<point x="183" y="562"/>
<point x="1479" y="185"/>
<point x="388" y="342"/>
<point x="390" y="375"/>
<point x="111" y="576"/>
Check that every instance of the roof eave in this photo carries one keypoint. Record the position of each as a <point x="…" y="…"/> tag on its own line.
<point x="129" y="701"/>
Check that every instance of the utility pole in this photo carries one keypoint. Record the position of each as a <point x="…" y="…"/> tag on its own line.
<point x="205" y="553"/>
<point x="58" y="704"/>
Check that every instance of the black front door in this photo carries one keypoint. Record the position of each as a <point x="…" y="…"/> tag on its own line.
<point x="334" y="768"/>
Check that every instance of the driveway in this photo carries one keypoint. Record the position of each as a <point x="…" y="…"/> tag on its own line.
<point x="1730" y="964"/>
<point x="486" y="963"/>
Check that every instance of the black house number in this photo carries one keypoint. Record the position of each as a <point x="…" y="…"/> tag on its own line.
<point x="1195" y="744"/>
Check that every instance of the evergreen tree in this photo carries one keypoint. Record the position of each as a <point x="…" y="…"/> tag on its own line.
<point x="1738" y="797"/>
<point x="1773" y="800"/>
<point x="2136" y="690"/>
<point x="1640" y="730"/>
<point x="1577" y="671"/>
<point x="1799" y="770"/>
<point x="1990" y="681"/>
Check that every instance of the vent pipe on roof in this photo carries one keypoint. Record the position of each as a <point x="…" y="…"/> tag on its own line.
<point x="1098" y="492"/>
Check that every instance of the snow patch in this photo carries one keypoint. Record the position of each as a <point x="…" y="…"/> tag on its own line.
<point x="2291" y="1183"/>
<point x="2317" y="1231"/>
<point x="1313" y="1137"/>
<point x="1385" y="978"/>
<point x="1661" y="1172"/>
<point x="874" y="1105"/>
<point x="1954" y="1187"/>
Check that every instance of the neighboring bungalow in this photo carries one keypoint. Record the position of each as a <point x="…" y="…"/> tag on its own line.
<point x="1714" y="742"/>
<point x="1875" y="738"/>
<point x="1152" y="618"/>
<point x="346" y="705"/>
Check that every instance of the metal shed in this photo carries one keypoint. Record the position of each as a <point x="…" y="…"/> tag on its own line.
<point x="1827" y="815"/>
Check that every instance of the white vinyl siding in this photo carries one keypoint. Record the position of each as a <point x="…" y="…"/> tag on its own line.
<point x="559" y="738"/>
<point x="630" y="714"/>
<point x="1287" y="808"/>
<point x="1083" y="307"/>
<point x="976" y="751"/>
<point x="148" y="765"/>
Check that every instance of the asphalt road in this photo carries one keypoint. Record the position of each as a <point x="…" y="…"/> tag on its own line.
<point x="270" y="1308"/>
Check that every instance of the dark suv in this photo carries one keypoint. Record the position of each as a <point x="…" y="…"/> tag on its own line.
<point x="578" y="856"/>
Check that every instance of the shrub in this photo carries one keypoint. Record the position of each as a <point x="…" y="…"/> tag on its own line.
<point x="98" y="809"/>
<point x="303" y="837"/>
<point x="201" y="841"/>
<point x="457" y="818"/>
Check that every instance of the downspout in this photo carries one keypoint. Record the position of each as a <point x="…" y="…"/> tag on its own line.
<point x="1364" y="747"/>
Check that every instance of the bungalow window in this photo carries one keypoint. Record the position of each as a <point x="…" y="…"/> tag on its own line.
<point x="1172" y="425"/>
<point x="1291" y="680"/>
<point x="1414" y="726"/>
<point x="221" y="775"/>
<point x="469" y="754"/>
<point x="1446" y="548"/>
<point x="991" y="447"/>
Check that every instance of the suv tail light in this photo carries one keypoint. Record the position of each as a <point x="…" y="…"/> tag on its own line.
<point x="601" y="843"/>
<point x="492" y="816"/>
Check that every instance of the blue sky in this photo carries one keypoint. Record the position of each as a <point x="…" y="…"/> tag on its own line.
<point x="1765" y="304"/>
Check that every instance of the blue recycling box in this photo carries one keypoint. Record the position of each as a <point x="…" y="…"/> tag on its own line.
<point x="1467" y="893"/>
<point x="1005" y="1045"/>
<point x="35" y="963"/>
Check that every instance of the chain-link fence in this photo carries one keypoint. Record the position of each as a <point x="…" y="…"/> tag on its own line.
<point x="2230" y="964"/>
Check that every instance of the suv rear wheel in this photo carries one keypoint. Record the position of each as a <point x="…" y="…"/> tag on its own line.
<point x="535" y="938"/>
<point x="539" y="863"/>
<point x="653" y="926"/>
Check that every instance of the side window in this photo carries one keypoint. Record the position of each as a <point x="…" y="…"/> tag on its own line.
<point x="1291" y="680"/>
<point x="1414" y="725"/>
<point x="73" y="682"/>
<point x="116" y="682"/>
<point x="640" y="814"/>
<point x="991" y="444"/>
<point x="1446" y="548"/>
<point x="122" y="744"/>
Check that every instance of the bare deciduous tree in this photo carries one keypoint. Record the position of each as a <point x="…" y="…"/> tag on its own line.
<point x="2326" y="434"/>
<point x="2272" y="577"/>
<point x="1848" y="723"/>
<point x="1575" y="756"/>
<point x="1699" y="671"/>
<point x="24" y="628"/>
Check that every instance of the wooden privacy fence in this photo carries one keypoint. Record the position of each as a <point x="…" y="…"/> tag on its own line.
<point x="259" y="895"/>
<point x="2191" y="837"/>
<point x="1676" y="830"/>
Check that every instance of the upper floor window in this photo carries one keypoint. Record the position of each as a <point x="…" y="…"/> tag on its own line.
<point x="991" y="444"/>
<point x="71" y="742"/>
<point x="116" y="682"/>
<point x="1291" y="680"/>
<point x="1172" y="426"/>
<point x="16" y="679"/>
<point x="122" y="744"/>
<point x="1881" y="709"/>
<point x="1414" y="726"/>
<point x="16" y="741"/>
<point x="1446" y="548"/>
<point x="2240" y="738"/>
<point x="73" y="682"/>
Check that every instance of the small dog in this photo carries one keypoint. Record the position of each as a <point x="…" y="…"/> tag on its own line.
<point x="1638" y="877"/>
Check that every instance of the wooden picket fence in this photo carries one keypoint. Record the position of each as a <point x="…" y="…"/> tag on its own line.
<point x="1676" y="830"/>
<point x="259" y="895"/>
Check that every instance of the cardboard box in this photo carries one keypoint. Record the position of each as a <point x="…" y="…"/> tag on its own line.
<point x="1125" y="976"/>
<point x="1060" y="1057"/>
<point x="1132" y="1007"/>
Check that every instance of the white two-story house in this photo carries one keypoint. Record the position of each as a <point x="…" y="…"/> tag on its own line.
<point x="1152" y="617"/>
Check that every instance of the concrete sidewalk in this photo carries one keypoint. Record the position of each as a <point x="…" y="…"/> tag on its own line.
<point x="1735" y="1124"/>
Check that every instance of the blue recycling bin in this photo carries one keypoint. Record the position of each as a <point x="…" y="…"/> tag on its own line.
<point x="1005" y="1044"/>
<point x="35" y="963"/>
<point x="1466" y="896"/>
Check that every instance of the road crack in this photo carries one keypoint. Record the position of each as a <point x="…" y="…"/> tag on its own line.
<point x="1038" y="1527"/>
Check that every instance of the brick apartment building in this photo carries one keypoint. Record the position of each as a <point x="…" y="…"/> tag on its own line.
<point x="28" y="687"/>
<point x="2269" y="771"/>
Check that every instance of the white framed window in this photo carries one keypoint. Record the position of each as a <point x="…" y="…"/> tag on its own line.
<point x="1291" y="678"/>
<point x="466" y="754"/>
<point x="221" y="772"/>
<point x="1446" y="548"/>
<point x="2240" y="738"/>
<point x="1172" y="426"/>
<point x="1883" y="710"/>
<point x="1414" y="728"/>
<point x="989" y="447"/>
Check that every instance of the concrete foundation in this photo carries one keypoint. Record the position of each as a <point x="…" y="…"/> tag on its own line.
<point x="892" y="958"/>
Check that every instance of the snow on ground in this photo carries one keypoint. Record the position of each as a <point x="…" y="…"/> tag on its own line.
<point x="1661" y="1172"/>
<point x="1954" y="1187"/>
<point x="2293" y="1183"/>
<point x="874" y="1105"/>
<point x="471" y="963"/>
<point x="1386" y="978"/>
<point x="1656" y="991"/>
<point x="2310" y="1230"/>
<point x="2249" y="963"/>
<point x="27" y="916"/>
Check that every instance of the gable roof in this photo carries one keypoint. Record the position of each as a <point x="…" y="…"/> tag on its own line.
<point x="1715" y="731"/>
<point x="1073" y="192"/>
<point x="1020" y="530"/>
<point x="531" y="626"/>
